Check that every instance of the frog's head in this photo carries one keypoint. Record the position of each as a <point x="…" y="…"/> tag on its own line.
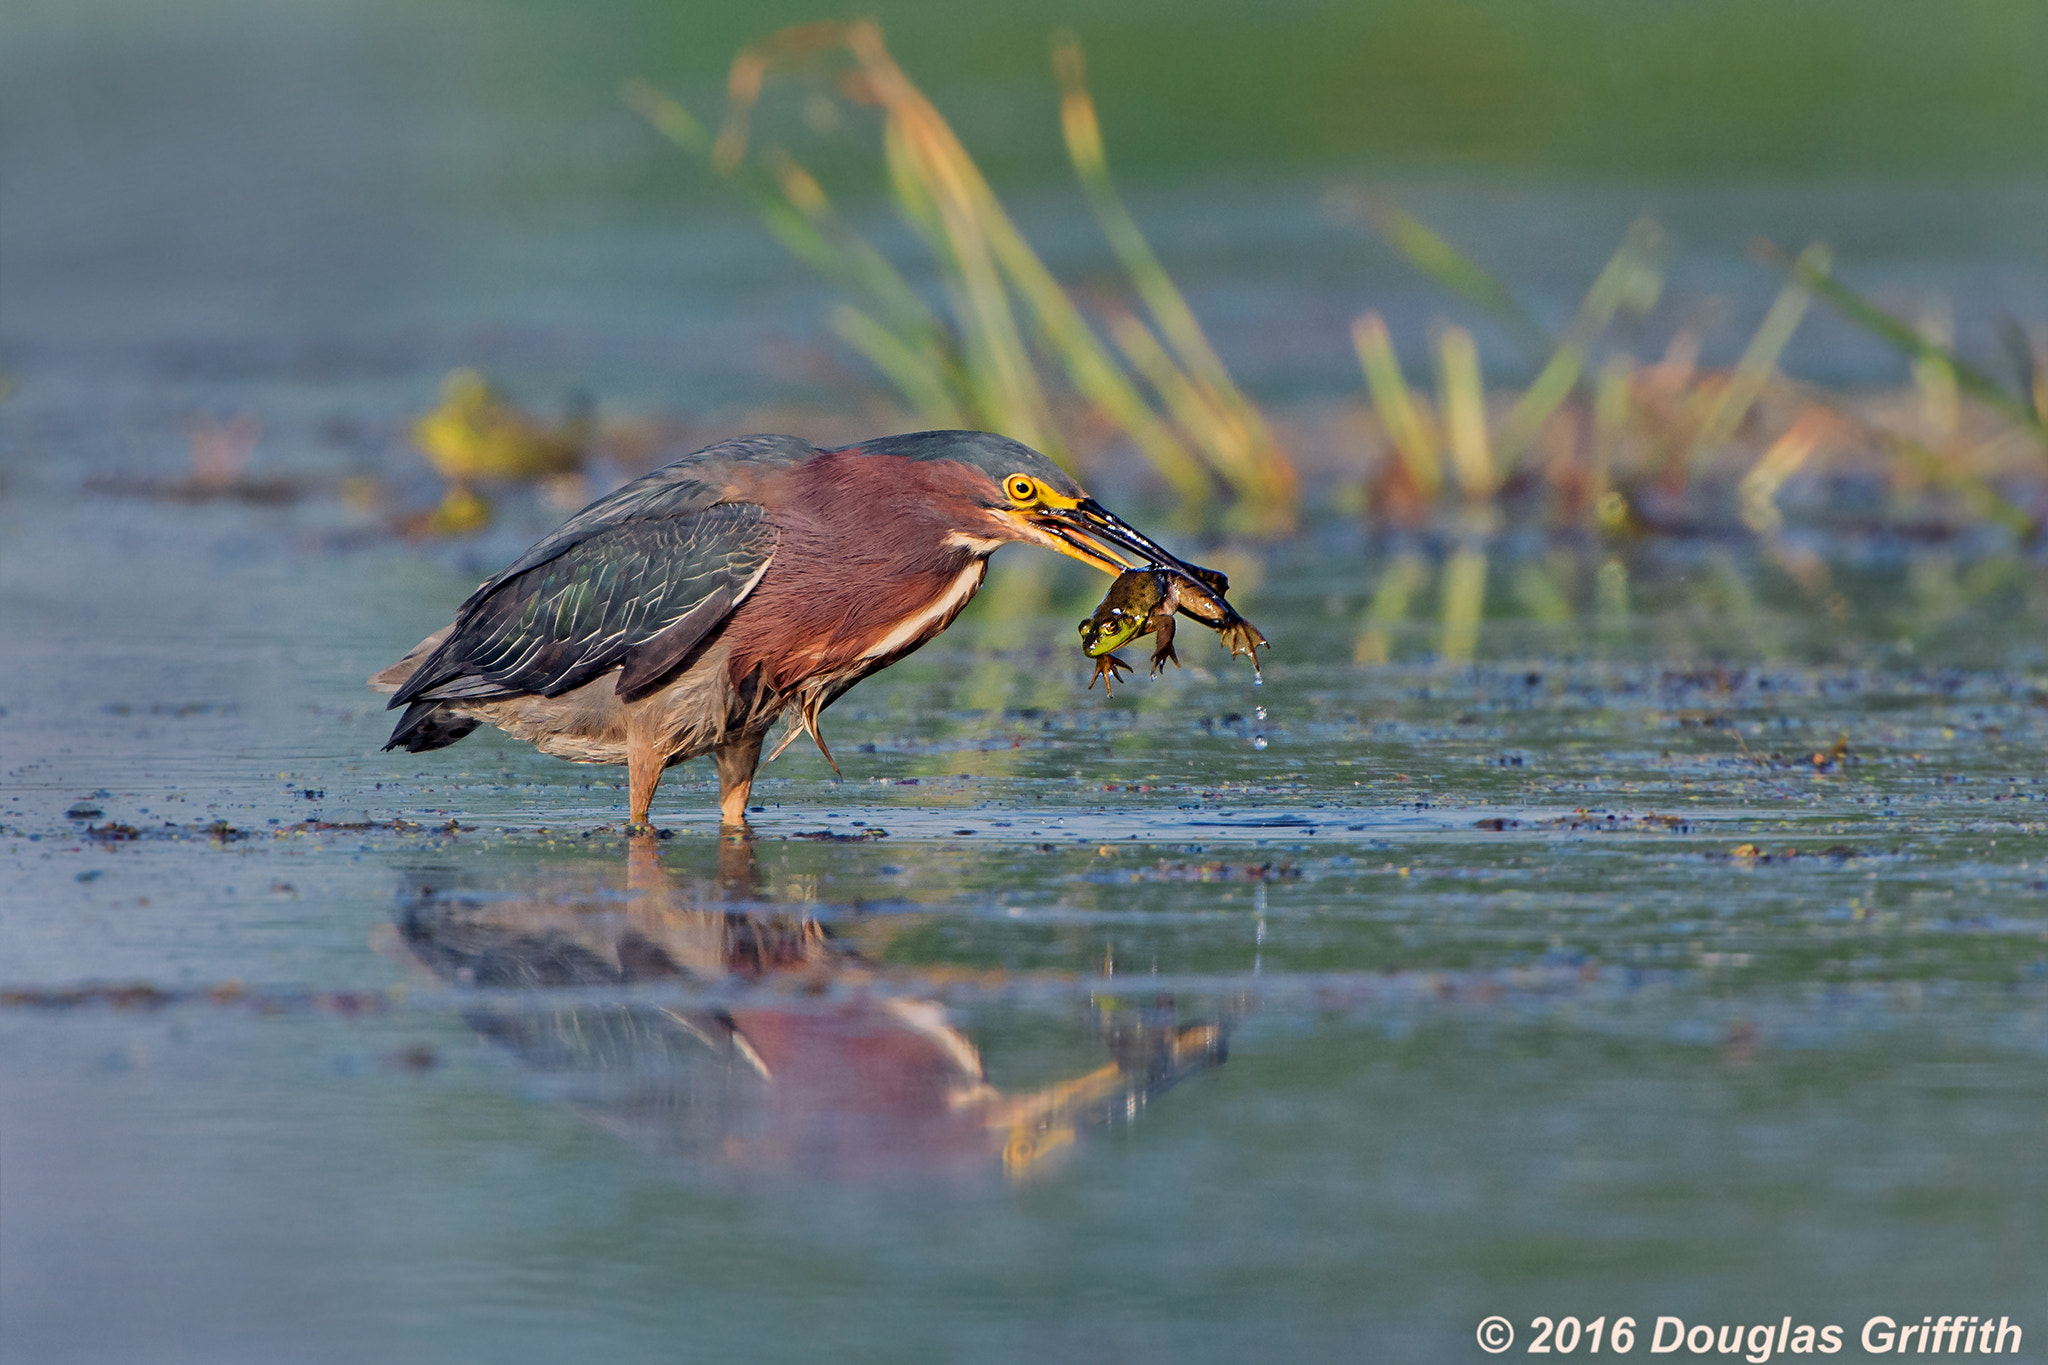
<point x="1121" y="617"/>
<point x="1111" y="627"/>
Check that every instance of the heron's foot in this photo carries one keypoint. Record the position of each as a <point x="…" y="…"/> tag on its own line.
<point x="1111" y="670"/>
<point x="736" y="764"/>
<point x="732" y="816"/>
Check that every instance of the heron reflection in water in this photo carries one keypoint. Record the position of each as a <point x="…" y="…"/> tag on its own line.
<point x="808" y="1059"/>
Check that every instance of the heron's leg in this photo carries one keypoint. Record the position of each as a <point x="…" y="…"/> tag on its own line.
<point x="736" y="764"/>
<point x="643" y="774"/>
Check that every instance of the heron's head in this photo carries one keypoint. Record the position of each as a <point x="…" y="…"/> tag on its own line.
<point x="1010" y="492"/>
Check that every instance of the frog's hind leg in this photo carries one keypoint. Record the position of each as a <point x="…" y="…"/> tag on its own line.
<point x="1161" y="624"/>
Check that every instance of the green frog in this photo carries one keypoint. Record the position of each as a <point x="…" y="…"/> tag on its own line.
<point x="1143" y="602"/>
<point x="1135" y="605"/>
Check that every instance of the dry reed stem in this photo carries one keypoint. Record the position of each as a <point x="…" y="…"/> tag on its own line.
<point x="1902" y="335"/>
<point x="1230" y="430"/>
<point x="1408" y="424"/>
<point x="1759" y="359"/>
<point x="987" y="268"/>
<point x="930" y="158"/>
<point x="1463" y="403"/>
<point x="1630" y="280"/>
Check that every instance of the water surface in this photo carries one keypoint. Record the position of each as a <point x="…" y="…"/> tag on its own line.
<point x="1595" y="977"/>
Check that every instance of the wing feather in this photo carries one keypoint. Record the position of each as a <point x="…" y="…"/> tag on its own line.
<point x="640" y="592"/>
<point x="676" y="491"/>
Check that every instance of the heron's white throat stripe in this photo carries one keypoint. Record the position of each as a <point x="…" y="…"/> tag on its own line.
<point x="934" y="617"/>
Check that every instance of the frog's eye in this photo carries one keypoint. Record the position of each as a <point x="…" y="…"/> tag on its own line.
<point x="1022" y="488"/>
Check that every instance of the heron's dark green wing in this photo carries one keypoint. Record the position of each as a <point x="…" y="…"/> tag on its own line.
<point x="638" y="595"/>
<point x="681" y="489"/>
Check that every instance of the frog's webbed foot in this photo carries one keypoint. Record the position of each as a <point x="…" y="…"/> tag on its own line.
<point x="1161" y="624"/>
<point x="1242" y="637"/>
<point x="1111" y="670"/>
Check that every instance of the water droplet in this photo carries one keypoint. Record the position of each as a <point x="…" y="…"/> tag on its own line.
<point x="1259" y="712"/>
<point x="1258" y="741"/>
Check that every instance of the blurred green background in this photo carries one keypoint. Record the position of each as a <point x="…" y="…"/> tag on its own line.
<point x="224" y="168"/>
<point x="516" y="98"/>
<point x="1540" y="88"/>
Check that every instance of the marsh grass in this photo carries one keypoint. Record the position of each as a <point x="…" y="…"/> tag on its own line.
<point x="1599" y="450"/>
<point x="1607" y="456"/>
<point x="1007" y="332"/>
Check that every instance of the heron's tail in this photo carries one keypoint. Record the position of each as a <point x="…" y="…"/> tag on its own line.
<point x="429" y="725"/>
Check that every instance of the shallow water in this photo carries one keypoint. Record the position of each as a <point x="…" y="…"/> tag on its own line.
<point x="1588" y="979"/>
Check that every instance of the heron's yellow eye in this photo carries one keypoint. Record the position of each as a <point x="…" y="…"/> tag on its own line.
<point x="1022" y="488"/>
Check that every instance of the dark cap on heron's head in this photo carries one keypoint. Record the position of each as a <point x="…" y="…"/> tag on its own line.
<point x="996" y="456"/>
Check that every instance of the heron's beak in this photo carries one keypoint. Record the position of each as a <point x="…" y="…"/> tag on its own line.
<point x="1094" y="536"/>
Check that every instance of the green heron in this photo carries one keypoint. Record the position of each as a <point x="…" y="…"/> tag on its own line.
<point x="683" y="613"/>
